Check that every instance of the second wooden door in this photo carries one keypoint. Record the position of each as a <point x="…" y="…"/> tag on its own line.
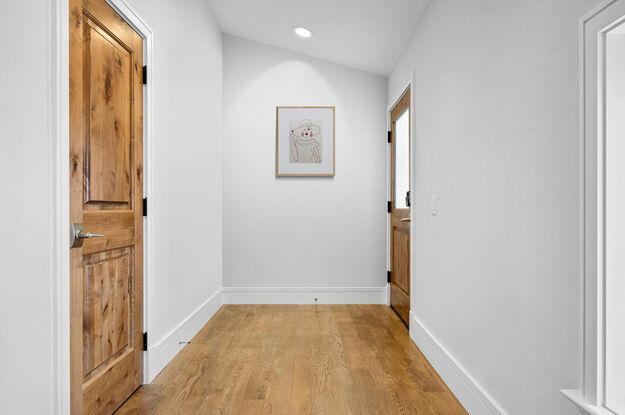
<point x="400" y="208"/>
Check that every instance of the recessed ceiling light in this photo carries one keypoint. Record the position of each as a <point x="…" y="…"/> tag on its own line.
<point x="302" y="32"/>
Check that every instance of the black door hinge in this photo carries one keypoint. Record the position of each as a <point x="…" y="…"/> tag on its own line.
<point x="408" y="198"/>
<point x="388" y="276"/>
<point x="145" y="206"/>
<point x="389" y="136"/>
<point x="388" y="206"/>
<point x="145" y="75"/>
<point x="145" y="341"/>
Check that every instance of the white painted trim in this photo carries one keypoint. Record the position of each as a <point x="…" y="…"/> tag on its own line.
<point x="413" y="181"/>
<point x="59" y="153"/>
<point x="304" y="295"/>
<point x="163" y="351"/>
<point x="59" y="193"/>
<point x="471" y="395"/>
<point x="398" y="94"/>
<point x="593" y="27"/>
<point x="576" y="396"/>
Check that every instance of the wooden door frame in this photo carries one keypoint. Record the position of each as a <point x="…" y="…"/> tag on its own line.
<point x="408" y="84"/>
<point x="58" y="96"/>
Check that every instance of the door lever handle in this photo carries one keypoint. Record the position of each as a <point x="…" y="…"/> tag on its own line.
<point x="87" y="235"/>
<point x="78" y="235"/>
<point x="405" y="220"/>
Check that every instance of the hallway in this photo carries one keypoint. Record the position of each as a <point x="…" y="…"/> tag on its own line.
<point x="238" y="207"/>
<point x="302" y="359"/>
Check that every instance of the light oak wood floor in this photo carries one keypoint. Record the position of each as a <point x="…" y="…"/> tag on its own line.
<point x="280" y="359"/>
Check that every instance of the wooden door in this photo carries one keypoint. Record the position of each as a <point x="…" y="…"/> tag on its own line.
<point x="400" y="208"/>
<point x="106" y="191"/>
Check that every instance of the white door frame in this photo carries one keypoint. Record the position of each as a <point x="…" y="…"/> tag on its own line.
<point x="593" y="27"/>
<point x="406" y="85"/>
<point x="59" y="125"/>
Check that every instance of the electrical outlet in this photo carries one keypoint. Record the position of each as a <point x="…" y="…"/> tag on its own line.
<point x="434" y="206"/>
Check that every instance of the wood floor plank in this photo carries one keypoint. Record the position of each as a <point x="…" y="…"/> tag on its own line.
<point x="298" y="359"/>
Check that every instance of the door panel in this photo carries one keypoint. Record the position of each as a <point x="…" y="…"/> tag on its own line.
<point x="106" y="191"/>
<point x="401" y="244"/>
<point x="107" y="75"/>
<point x="400" y="210"/>
<point x="400" y="303"/>
<point x="107" y="301"/>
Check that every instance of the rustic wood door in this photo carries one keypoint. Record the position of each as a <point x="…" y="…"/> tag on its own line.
<point x="400" y="208"/>
<point x="106" y="191"/>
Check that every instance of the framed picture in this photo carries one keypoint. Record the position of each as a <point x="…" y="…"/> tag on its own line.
<point x="305" y="141"/>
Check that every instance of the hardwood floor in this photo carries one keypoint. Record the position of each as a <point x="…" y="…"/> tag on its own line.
<point x="283" y="359"/>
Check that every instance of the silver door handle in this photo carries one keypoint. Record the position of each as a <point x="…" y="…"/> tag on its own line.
<point x="405" y="220"/>
<point x="78" y="235"/>
<point x="88" y="235"/>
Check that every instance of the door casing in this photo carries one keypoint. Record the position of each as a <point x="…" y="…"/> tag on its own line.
<point x="58" y="61"/>
<point x="593" y="26"/>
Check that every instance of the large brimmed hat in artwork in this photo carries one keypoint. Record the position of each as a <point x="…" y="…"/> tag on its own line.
<point x="306" y="129"/>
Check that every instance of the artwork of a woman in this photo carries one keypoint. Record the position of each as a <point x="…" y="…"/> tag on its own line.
<point x="305" y="142"/>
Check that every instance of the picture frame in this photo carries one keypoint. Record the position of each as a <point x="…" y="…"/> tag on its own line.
<point x="305" y="141"/>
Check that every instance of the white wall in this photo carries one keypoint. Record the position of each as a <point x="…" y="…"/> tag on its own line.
<point x="186" y="198"/>
<point x="185" y="204"/>
<point x="343" y="241"/>
<point x="26" y="304"/>
<point x="496" y="115"/>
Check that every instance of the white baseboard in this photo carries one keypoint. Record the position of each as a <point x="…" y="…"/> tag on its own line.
<point x="586" y="407"/>
<point x="470" y="394"/>
<point x="162" y="352"/>
<point x="304" y="295"/>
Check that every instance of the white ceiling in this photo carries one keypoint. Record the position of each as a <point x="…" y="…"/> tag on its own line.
<point x="364" y="34"/>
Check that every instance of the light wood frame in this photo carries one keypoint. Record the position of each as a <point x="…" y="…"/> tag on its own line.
<point x="333" y="141"/>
